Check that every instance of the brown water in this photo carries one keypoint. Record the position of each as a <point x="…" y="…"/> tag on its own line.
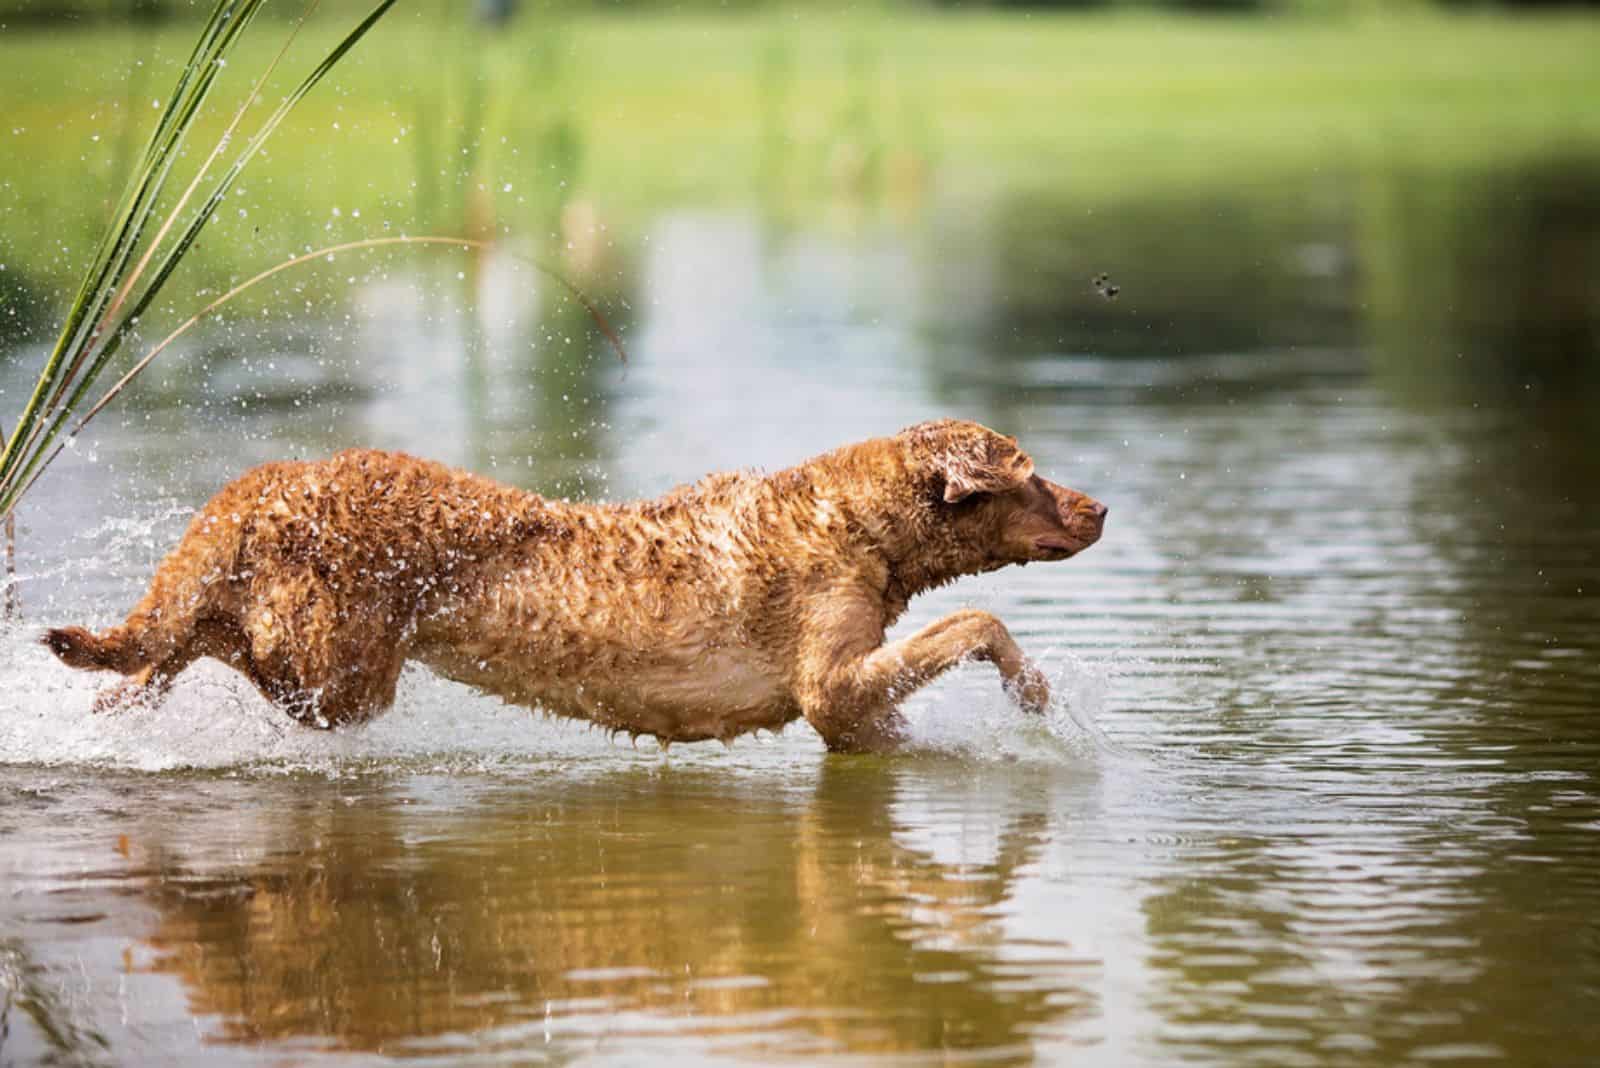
<point x="1321" y="783"/>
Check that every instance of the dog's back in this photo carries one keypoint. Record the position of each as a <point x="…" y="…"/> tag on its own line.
<point x="671" y="617"/>
<point x="319" y="580"/>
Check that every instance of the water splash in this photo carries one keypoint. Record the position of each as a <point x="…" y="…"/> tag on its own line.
<point x="968" y="715"/>
<point x="213" y="719"/>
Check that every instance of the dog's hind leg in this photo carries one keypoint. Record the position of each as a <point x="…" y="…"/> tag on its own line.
<point x="360" y="688"/>
<point x="326" y="655"/>
<point x="164" y="620"/>
<point x="150" y="685"/>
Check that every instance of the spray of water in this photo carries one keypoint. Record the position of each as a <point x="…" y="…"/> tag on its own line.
<point x="214" y="719"/>
<point x="967" y="715"/>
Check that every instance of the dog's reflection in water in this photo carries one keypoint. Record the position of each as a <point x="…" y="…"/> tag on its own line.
<point x="804" y="924"/>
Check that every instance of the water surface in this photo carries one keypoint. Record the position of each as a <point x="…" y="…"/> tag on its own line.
<point x="1320" y="784"/>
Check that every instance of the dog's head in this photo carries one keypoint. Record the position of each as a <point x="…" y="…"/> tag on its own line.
<point x="984" y="496"/>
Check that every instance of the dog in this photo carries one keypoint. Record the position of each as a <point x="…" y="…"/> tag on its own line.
<point x="740" y="602"/>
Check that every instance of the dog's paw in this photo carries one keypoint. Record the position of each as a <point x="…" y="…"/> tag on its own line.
<point x="114" y="699"/>
<point x="128" y="694"/>
<point x="1030" y="689"/>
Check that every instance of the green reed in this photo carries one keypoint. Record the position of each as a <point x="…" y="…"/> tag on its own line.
<point x="142" y="246"/>
<point x="144" y="242"/>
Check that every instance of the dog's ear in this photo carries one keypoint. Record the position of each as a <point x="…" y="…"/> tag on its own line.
<point x="990" y="464"/>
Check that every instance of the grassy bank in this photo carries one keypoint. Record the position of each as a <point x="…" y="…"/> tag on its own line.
<point x="442" y="126"/>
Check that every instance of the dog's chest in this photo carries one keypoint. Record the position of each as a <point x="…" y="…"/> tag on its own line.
<point x="678" y="690"/>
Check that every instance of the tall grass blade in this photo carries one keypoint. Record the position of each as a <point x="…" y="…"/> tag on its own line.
<point x="105" y="309"/>
<point x="169" y="263"/>
<point x="194" y="183"/>
<point x="122" y="235"/>
<point x="9" y="609"/>
<point x="110" y="293"/>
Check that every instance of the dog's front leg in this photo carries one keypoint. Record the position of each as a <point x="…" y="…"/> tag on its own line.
<point x="851" y="699"/>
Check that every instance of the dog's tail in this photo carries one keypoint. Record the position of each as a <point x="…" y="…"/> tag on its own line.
<point x="165" y="619"/>
<point x="77" y="647"/>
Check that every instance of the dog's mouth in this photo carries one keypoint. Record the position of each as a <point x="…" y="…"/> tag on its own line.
<point x="1062" y="544"/>
<point x="1057" y="548"/>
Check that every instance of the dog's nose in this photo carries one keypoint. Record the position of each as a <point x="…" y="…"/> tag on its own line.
<point x="1098" y="510"/>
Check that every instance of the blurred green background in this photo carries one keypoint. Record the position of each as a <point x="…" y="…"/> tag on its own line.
<point x="1416" y="176"/>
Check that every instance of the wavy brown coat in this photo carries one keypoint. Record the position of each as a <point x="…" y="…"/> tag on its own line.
<point x="740" y="602"/>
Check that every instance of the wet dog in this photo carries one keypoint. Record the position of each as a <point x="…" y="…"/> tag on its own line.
<point x="740" y="602"/>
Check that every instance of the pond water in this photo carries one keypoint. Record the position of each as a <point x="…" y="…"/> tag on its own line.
<point x="1320" y="786"/>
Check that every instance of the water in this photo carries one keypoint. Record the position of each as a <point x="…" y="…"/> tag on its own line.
<point x="1320" y="785"/>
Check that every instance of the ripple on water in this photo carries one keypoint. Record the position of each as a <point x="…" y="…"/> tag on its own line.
<point x="1318" y="788"/>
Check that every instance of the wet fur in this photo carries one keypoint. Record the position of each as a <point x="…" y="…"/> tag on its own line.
<point x="740" y="602"/>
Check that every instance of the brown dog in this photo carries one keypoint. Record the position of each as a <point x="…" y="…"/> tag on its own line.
<point x="739" y="602"/>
